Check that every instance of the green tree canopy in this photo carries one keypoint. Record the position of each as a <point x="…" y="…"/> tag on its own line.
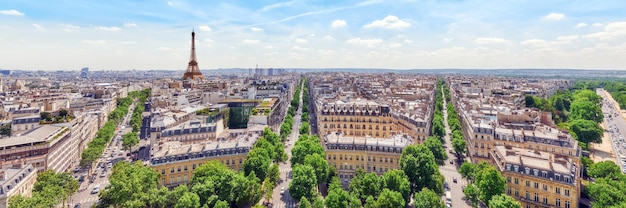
<point x="388" y="198"/>
<point x="586" y="131"/>
<point x="428" y="199"/>
<point x="303" y="183"/>
<point x="504" y="201"/>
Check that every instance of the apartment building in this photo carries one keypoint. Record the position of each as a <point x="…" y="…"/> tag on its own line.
<point x="16" y="180"/>
<point x="176" y="161"/>
<point x="46" y="147"/>
<point x="538" y="178"/>
<point x="192" y="131"/>
<point x="378" y="155"/>
<point x="541" y="162"/>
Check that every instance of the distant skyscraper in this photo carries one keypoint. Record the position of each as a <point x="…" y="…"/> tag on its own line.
<point x="84" y="72"/>
<point x="193" y="71"/>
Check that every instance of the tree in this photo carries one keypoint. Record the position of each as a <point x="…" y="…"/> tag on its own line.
<point x="370" y="202"/>
<point x="396" y="180"/>
<point x="459" y="145"/>
<point x="304" y="203"/>
<point x="257" y="164"/>
<point x="273" y="174"/>
<point x="320" y="165"/>
<point x="471" y="193"/>
<point x="306" y="145"/>
<point x="129" y="182"/>
<point x="529" y="100"/>
<point x="504" y="201"/>
<point x="587" y="111"/>
<point x="436" y="147"/>
<point x="370" y="185"/>
<point x="318" y="202"/>
<point x="605" y="169"/>
<point x="418" y="163"/>
<point x="129" y="140"/>
<point x="221" y="204"/>
<point x="188" y="200"/>
<point x="303" y="183"/>
<point x="355" y="202"/>
<point x="586" y="131"/>
<point x="606" y="192"/>
<point x="337" y="197"/>
<point x="268" y="189"/>
<point x="5" y="130"/>
<point x="490" y="183"/>
<point x="50" y="189"/>
<point x="390" y="198"/>
<point x="427" y="199"/>
<point x="304" y="128"/>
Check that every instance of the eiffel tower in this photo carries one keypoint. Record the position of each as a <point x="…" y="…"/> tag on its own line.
<point x="193" y="71"/>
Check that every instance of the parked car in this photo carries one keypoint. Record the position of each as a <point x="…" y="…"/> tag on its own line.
<point x="454" y="180"/>
<point x="282" y="190"/>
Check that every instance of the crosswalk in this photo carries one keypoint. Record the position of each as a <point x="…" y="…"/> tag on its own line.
<point x="89" y="199"/>
<point x="285" y="170"/>
<point x="285" y="205"/>
<point x="459" y="181"/>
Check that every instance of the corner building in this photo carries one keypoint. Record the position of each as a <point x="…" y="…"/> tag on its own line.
<point x="538" y="179"/>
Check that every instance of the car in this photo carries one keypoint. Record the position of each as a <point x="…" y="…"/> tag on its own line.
<point x="77" y="169"/>
<point x="450" y="151"/>
<point x="81" y="178"/>
<point x="77" y="205"/>
<point x="454" y="179"/>
<point x="282" y="190"/>
<point x="451" y="161"/>
<point x="445" y="185"/>
<point x="95" y="190"/>
<point x="104" y="174"/>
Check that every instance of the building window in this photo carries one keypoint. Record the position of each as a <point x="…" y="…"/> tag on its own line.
<point x="566" y="192"/>
<point x="536" y="185"/>
<point x="527" y="195"/>
<point x="557" y="190"/>
<point x="508" y="179"/>
<point x="171" y="170"/>
<point x="508" y="191"/>
<point x="558" y="202"/>
<point x="566" y="204"/>
<point x="185" y="168"/>
<point x="527" y="183"/>
<point x="162" y="171"/>
<point x="516" y="181"/>
<point x="193" y="167"/>
<point x="545" y="200"/>
<point x="536" y="197"/>
<point x="545" y="187"/>
<point x="516" y="192"/>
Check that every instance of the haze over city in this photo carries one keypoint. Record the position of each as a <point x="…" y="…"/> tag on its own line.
<point x="121" y="35"/>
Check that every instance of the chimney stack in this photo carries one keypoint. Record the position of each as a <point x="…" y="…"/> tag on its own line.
<point x="2" y="175"/>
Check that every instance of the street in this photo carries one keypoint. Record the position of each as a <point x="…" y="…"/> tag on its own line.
<point x="86" y="196"/>
<point x="450" y="171"/>
<point x="282" y="200"/>
<point x="614" y="125"/>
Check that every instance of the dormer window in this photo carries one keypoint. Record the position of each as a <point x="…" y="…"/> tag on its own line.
<point x="527" y="171"/>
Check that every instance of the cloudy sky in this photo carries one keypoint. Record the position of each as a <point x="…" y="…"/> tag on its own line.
<point x="402" y="34"/>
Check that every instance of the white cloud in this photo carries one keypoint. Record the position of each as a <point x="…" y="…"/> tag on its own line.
<point x="555" y="16"/>
<point x="204" y="28"/>
<point x="535" y="43"/>
<point x="130" y="24"/>
<point x="597" y="24"/>
<point x="249" y="41"/>
<point x="390" y="22"/>
<point x="114" y="29"/>
<point x="208" y="40"/>
<point x="300" y="48"/>
<point x="164" y="48"/>
<point x="170" y="3"/>
<point x="366" y="42"/>
<point x="395" y="45"/>
<point x="490" y="41"/>
<point x="328" y="37"/>
<point x="300" y="40"/>
<point x="269" y="47"/>
<point x="256" y="29"/>
<point x="568" y="38"/>
<point x="39" y="27"/>
<point x="338" y="23"/>
<point x="447" y="40"/>
<point x="581" y="25"/>
<point x="12" y="12"/>
<point x="94" y="42"/>
<point x="277" y="5"/>
<point x="611" y="31"/>
<point x="408" y="41"/>
<point x="69" y="28"/>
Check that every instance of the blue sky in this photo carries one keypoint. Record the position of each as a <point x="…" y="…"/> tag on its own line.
<point x="403" y="34"/>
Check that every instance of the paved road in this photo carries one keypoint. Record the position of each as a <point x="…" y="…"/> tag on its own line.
<point x="113" y="153"/>
<point x="450" y="171"/>
<point x="615" y="125"/>
<point x="282" y="200"/>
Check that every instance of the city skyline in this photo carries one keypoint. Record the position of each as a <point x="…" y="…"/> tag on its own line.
<point x="122" y="35"/>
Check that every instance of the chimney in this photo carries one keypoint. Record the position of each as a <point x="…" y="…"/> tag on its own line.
<point x="2" y="175"/>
